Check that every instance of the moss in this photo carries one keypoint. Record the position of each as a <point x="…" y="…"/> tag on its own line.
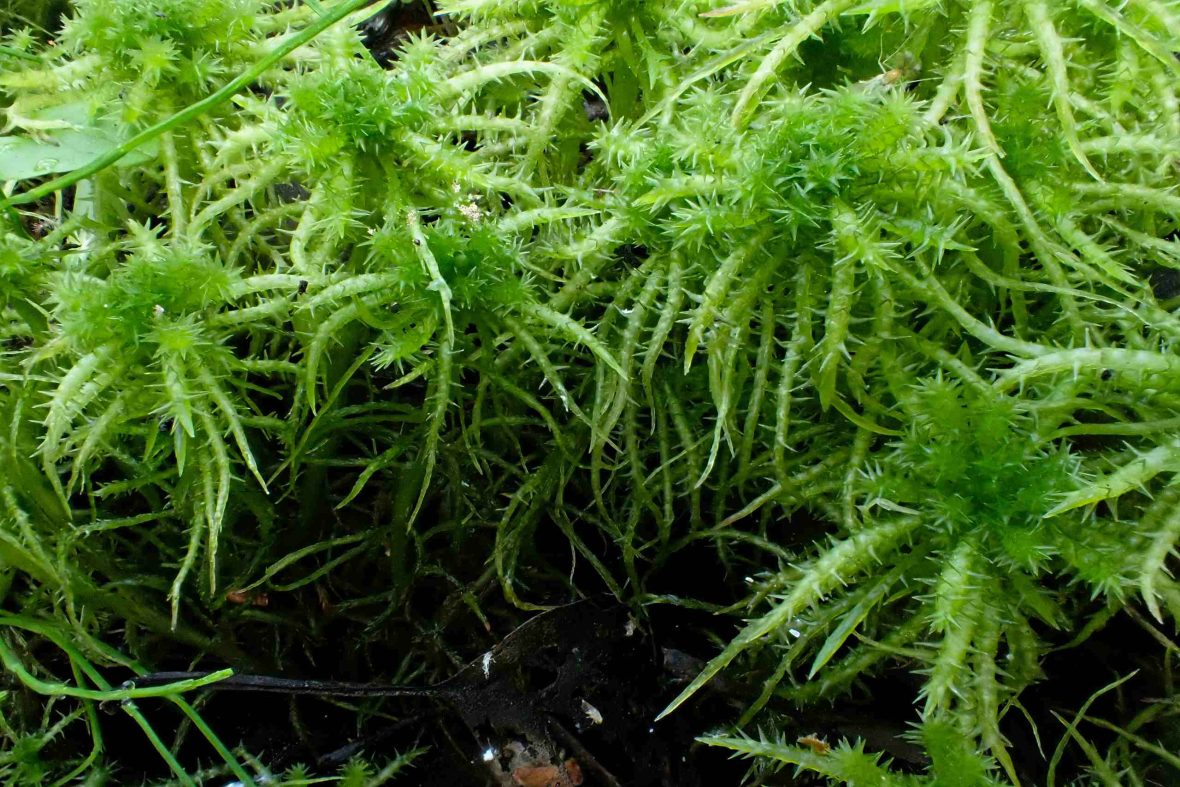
<point x="860" y="300"/>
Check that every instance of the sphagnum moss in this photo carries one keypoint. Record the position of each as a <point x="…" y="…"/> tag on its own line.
<point x="660" y="274"/>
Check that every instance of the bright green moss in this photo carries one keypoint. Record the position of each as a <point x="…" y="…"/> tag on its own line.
<point x="974" y="466"/>
<point x="151" y="287"/>
<point x="190" y="29"/>
<point x="640" y="280"/>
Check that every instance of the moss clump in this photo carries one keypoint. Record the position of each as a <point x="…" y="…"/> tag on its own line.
<point x="862" y="300"/>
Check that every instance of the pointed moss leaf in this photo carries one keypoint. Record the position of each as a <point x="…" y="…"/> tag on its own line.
<point x="1163" y="546"/>
<point x="388" y="457"/>
<point x="831" y="569"/>
<point x="739" y="8"/>
<point x="880" y="7"/>
<point x="838" y="637"/>
<point x="855" y="616"/>
<point x="845" y="764"/>
<point x="1133" y="475"/>
<point x="403" y="336"/>
<point x="577" y="332"/>
<point x="868" y="424"/>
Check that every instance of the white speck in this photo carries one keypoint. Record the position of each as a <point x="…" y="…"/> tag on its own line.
<point x="487" y="664"/>
<point x="749" y="580"/>
<point x="158" y="310"/>
<point x="651" y="730"/>
<point x="629" y="629"/>
<point x="795" y="633"/>
<point x="471" y="212"/>
<point x="489" y="754"/>
<point x="592" y="713"/>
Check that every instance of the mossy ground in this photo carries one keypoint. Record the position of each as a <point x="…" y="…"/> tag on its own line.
<point x="837" y="339"/>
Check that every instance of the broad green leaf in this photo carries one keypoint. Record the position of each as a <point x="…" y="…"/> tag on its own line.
<point x="80" y="139"/>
